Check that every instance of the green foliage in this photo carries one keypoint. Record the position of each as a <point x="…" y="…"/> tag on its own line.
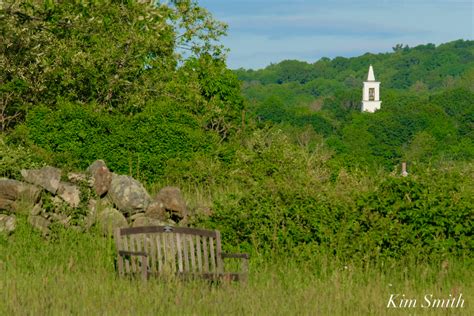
<point x="221" y="91"/>
<point x="285" y="212"/>
<point x="77" y="135"/>
<point x="273" y="109"/>
<point x="431" y="218"/>
<point x="13" y="158"/>
<point x="401" y="69"/>
<point x="115" y="54"/>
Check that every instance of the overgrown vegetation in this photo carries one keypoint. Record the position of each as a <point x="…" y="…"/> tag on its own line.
<point x="73" y="273"/>
<point x="294" y="170"/>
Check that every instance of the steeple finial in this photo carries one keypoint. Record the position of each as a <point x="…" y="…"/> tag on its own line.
<point x="371" y="76"/>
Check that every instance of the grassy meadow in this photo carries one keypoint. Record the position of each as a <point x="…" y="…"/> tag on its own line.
<point x="74" y="273"/>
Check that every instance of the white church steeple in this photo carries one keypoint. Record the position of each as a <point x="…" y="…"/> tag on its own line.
<point x="371" y="93"/>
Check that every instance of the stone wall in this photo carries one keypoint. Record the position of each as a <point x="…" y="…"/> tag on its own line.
<point x="96" y="197"/>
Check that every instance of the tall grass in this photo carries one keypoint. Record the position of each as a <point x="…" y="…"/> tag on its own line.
<point x="74" y="273"/>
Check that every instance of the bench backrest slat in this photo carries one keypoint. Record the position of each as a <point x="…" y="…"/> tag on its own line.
<point x="118" y="245"/>
<point x="213" y="257"/>
<point x="127" y="262"/>
<point x="179" y="250"/>
<point x="171" y="251"/>
<point x="205" y="254"/>
<point x="151" y="249"/>
<point x="220" y="263"/>
<point x="133" y="260"/>
<point x="184" y="239"/>
<point x="192" y="252"/>
<point x="158" y="252"/>
<point x="199" y="253"/>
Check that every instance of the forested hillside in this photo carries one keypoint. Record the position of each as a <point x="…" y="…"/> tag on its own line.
<point x="288" y="166"/>
<point x="422" y="67"/>
<point x="427" y="110"/>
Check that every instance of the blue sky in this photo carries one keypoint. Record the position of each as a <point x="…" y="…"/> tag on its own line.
<point x="268" y="31"/>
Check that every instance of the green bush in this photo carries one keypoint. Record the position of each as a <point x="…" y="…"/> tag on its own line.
<point x="142" y="144"/>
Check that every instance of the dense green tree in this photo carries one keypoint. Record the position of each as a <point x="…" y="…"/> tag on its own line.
<point x="117" y="54"/>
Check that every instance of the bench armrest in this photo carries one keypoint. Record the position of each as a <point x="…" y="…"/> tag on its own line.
<point x="143" y="258"/>
<point x="245" y="262"/>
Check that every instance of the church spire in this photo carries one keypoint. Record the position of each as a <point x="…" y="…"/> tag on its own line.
<point x="371" y="93"/>
<point x="370" y="75"/>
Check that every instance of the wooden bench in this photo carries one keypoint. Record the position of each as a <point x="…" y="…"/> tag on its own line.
<point x="165" y="251"/>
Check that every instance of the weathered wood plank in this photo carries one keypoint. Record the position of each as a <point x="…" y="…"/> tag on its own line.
<point x="199" y="254"/>
<point x="143" y="260"/>
<point x="172" y="252"/>
<point x="185" y="252"/>
<point x="169" y="229"/>
<point x="205" y="255"/>
<point x="220" y="261"/>
<point x="166" y="255"/>
<point x="179" y="250"/>
<point x="151" y="248"/>
<point x="192" y="251"/>
<point x="126" y="248"/>
<point x="159" y="253"/>
<point x="133" y="259"/>
<point x="118" y="245"/>
<point x="213" y="257"/>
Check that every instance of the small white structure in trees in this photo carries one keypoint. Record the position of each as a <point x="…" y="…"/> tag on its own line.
<point x="371" y="93"/>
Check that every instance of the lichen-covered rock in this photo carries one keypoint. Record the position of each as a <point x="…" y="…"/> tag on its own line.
<point x="77" y="178"/>
<point x="62" y="219"/>
<point x="91" y="215"/>
<point x="156" y="210"/>
<point x="47" y="177"/>
<point x="40" y="223"/>
<point x="16" y="194"/>
<point x="70" y="194"/>
<point x="93" y="208"/>
<point x="7" y="223"/>
<point x="109" y="219"/>
<point x="101" y="176"/>
<point x="128" y="195"/>
<point x="172" y="201"/>
<point x="36" y="210"/>
<point x="142" y="220"/>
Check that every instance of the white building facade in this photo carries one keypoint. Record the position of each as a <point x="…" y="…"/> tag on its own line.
<point x="371" y="93"/>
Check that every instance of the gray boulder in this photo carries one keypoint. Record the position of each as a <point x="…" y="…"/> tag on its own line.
<point x="15" y="195"/>
<point x="7" y="223"/>
<point x="140" y="219"/>
<point x="94" y="207"/>
<point x="128" y="195"/>
<point x="62" y="219"/>
<point x="40" y="223"/>
<point x="91" y="215"/>
<point x="47" y="177"/>
<point x="37" y="209"/>
<point x="77" y="178"/>
<point x="156" y="210"/>
<point x="109" y="219"/>
<point x="172" y="201"/>
<point x="70" y="194"/>
<point x="101" y="176"/>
